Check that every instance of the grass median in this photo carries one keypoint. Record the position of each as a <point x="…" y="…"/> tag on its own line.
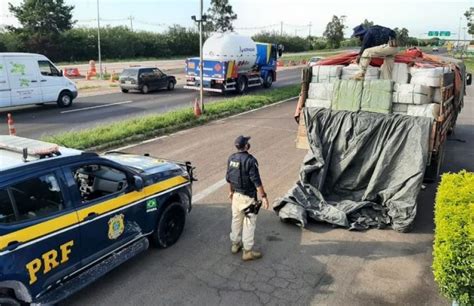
<point x="115" y="134"/>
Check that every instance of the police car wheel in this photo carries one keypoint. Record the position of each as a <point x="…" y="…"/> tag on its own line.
<point x="170" y="226"/>
<point x="8" y="301"/>
<point x="145" y="89"/>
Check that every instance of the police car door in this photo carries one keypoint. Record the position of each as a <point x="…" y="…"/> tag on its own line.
<point x="106" y="205"/>
<point x="39" y="239"/>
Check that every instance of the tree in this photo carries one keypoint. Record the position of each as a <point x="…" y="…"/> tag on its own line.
<point x="220" y="16"/>
<point x="42" y="22"/>
<point x="335" y="32"/>
<point x="402" y="36"/>
<point x="367" y="24"/>
<point x="470" y="20"/>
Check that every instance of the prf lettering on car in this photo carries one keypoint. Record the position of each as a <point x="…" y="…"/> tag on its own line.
<point x="49" y="261"/>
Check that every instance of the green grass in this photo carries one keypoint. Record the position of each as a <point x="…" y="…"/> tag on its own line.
<point x="469" y="64"/>
<point x="115" y="134"/>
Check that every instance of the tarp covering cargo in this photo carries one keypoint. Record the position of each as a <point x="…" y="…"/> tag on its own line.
<point x="358" y="191"/>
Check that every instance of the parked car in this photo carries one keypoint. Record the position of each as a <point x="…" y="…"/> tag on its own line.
<point x="68" y="217"/>
<point x="28" y="78"/>
<point x="145" y="79"/>
<point x="312" y="61"/>
<point x="435" y="49"/>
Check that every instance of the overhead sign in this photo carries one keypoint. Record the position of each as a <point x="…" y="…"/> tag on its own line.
<point x="439" y="33"/>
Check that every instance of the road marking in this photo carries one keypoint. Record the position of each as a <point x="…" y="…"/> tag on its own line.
<point x="94" y="107"/>
<point x="201" y="195"/>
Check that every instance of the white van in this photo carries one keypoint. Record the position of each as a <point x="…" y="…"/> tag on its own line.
<point x="27" y="78"/>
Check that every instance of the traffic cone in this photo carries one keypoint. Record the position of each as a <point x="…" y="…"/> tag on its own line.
<point x="11" y="125"/>
<point x="112" y="76"/>
<point x="197" y="108"/>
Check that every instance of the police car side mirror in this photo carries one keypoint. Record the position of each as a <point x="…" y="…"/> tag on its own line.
<point x="138" y="183"/>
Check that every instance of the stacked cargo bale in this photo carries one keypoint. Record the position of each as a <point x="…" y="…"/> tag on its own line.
<point x="322" y="85"/>
<point x="349" y="72"/>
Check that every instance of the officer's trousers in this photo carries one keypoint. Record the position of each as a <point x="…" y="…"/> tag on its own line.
<point x="243" y="227"/>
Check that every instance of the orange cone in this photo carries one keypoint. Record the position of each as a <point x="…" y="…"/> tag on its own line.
<point x="197" y="108"/>
<point x="112" y="76"/>
<point x="11" y="125"/>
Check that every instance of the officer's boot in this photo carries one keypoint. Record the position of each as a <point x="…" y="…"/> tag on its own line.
<point x="251" y="255"/>
<point x="236" y="247"/>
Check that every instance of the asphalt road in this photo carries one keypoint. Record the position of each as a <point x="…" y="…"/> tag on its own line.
<point x="319" y="265"/>
<point x="35" y="121"/>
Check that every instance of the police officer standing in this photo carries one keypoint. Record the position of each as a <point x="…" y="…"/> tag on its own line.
<point x="244" y="183"/>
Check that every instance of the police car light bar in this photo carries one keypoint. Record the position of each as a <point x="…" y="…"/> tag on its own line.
<point x="28" y="147"/>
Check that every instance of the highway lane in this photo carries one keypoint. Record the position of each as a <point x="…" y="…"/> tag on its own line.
<point x="87" y="112"/>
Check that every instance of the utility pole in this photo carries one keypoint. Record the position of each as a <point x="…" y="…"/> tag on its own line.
<point x="98" y="41"/>
<point x="459" y="32"/>
<point x="309" y="34"/>
<point x="131" y="22"/>
<point x="281" y="28"/>
<point x="202" y="18"/>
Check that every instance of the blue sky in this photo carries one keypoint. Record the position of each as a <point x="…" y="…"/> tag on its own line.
<point x="419" y="16"/>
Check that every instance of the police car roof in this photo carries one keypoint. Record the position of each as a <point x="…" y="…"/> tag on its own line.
<point x="14" y="150"/>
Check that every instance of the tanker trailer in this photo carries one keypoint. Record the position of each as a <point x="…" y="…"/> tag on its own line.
<point x="233" y="62"/>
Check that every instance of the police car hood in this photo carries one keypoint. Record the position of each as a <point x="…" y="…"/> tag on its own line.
<point x="145" y="164"/>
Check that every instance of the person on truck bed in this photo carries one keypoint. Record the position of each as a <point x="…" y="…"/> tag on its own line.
<point x="377" y="41"/>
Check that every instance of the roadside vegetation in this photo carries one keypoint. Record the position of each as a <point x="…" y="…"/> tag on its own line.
<point x="136" y="129"/>
<point x="453" y="251"/>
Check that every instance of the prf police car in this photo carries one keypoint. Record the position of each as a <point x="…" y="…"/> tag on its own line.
<point x="68" y="217"/>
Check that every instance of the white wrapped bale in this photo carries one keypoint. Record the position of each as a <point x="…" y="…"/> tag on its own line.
<point x="317" y="103"/>
<point x="349" y="72"/>
<point x="412" y="94"/>
<point x="399" y="108"/>
<point x="400" y="73"/>
<point x="424" y="110"/>
<point x="437" y="98"/>
<point x="320" y="91"/>
<point x="326" y="74"/>
<point x="428" y="76"/>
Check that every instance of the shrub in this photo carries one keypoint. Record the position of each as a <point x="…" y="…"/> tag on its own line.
<point x="453" y="262"/>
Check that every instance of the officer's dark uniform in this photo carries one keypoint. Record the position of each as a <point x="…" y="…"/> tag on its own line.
<point x="243" y="176"/>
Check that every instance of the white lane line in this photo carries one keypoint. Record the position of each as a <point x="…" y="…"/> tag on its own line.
<point x="201" y="195"/>
<point x="94" y="107"/>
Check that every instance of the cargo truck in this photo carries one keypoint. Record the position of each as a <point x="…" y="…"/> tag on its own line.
<point x="233" y="62"/>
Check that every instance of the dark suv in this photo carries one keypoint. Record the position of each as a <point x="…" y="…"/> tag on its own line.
<point x="145" y="80"/>
<point x="68" y="217"/>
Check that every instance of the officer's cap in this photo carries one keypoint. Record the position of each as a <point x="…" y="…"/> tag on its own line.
<point x="241" y="141"/>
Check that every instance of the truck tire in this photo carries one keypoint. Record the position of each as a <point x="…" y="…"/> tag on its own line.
<point x="170" y="226"/>
<point x="170" y="86"/>
<point x="145" y="89"/>
<point x="65" y="99"/>
<point x="267" y="83"/>
<point x="242" y="84"/>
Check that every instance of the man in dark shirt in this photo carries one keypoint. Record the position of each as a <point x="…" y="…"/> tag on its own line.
<point x="244" y="183"/>
<point x="377" y="41"/>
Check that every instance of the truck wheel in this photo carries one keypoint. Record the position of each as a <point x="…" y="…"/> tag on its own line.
<point x="145" y="89"/>
<point x="170" y="86"/>
<point x="170" y="226"/>
<point x="242" y="84"/>
<point x="267" y="83"/>
<point x="8" y="301"/>
<point x="65" y="99"/>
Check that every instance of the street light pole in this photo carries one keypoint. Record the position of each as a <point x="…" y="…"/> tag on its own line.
<point x="98" y="41"/>
<point x="201" y="89"/>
